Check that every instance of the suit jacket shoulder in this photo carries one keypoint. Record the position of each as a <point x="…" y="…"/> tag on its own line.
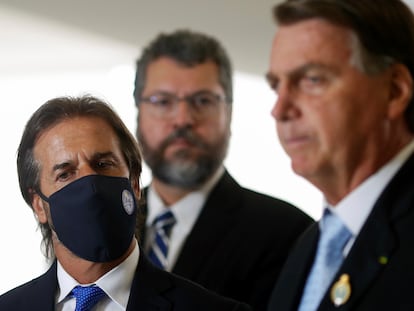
<point x="37" y="294"/>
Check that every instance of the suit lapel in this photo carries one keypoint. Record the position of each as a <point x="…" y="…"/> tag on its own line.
<point x="43" y="293"/>
<point x="288" y="291"/>
<point x="365" y="260"/>
<point x="148" y="287"/>
<point x="362" y="265"/>
<point x="377" y="241"/>
<point x="218" y="211"/>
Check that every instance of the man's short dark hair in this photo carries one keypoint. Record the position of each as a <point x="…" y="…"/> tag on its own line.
<point x="384" y="30"/>
<point x="188" y="48"/>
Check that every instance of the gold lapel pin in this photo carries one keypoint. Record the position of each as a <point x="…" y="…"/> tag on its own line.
<point x="341" y="290"/>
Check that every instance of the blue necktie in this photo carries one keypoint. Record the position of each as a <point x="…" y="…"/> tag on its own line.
<point x="159" y="248"/>
<point x="87" y="297"/>
<point x="329" y="257"/>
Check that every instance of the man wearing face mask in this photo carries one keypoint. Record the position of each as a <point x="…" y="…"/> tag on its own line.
<point x="79" y="170"/>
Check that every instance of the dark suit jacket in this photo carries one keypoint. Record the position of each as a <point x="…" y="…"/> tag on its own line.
<point x="152" y="289"/>
<point x="239" y="242"/>
<point x="380" y="263"/>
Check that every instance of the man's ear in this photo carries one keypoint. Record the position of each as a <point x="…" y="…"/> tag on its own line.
<point x="38" y="206"/>
<point x="401" y="91"/>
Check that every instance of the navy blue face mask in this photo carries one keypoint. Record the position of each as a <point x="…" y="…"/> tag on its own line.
<point x="95" y="216"/>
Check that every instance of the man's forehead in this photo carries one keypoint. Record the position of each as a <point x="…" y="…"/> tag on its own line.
<point x="308" y="30"/>
<point x="76" y="134"/>
<point x="313" y="41"/>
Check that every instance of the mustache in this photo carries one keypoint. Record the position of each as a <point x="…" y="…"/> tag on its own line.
<point x="184" y="133"/>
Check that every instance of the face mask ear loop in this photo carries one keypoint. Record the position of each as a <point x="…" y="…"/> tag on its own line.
<point x="45" y="198"/>
<point x="41" y="195"/>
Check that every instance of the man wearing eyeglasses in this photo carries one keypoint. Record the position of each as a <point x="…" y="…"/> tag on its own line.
<point x="200" y="223"/>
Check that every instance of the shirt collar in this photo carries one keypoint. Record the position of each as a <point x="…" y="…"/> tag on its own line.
<point x="356" y="206"/>
<point x="186" y="207"/>
<point x="115" y="283"/>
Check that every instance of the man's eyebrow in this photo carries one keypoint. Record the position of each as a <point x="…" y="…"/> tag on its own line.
<point x="299" y="70"/>
<point x="102" y="155"/>
<point x="60" y="166"/>
<point x="95" y="156"/>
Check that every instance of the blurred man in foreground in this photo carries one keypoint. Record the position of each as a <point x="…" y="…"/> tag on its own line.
<point x="343" y="75"/>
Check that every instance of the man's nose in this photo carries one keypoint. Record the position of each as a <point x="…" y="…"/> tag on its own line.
<point x="184" y="114"/>
<point x="285" y="107"/>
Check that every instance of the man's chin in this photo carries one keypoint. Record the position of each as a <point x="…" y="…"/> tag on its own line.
<point x="187" y="174"/>
<point x="183" y="166"/>
<point x="183" y="157"/>
<point x="182" y="153"/>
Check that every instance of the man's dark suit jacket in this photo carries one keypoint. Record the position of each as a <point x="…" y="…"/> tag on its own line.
<point x="152" y="289"/>
<point x="239" y="242"/>
<point x="380" y="263"/>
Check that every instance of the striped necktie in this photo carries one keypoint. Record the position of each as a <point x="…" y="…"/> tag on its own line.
<point x="328" y="259"/>
<point x="159" y="248"/>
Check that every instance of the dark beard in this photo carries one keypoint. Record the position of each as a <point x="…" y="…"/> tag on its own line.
<point x="184" y="170"/>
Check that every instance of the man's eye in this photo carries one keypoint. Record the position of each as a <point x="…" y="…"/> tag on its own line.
<point x="103" y="164"/>
<point x="312" y="83"/>
<point x="314" y="79"/>
<point x="161" y="101"/>
<point x="63" y="176"/>
<point x="273" y="83"/>
<point x="204" y="100"/>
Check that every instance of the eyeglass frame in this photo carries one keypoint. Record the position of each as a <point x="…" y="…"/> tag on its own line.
<point x="189" y="99"/>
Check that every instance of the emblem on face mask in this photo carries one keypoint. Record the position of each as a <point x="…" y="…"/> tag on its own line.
<point x="128" y="202"/>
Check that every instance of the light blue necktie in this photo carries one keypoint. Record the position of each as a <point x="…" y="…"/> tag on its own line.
<point x="329" y="257"/>
<point x="159" y="248"/>
<point x="87" y="297"/>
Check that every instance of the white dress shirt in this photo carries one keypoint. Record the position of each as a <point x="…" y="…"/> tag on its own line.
<point x="355" y="208"/>
<point x="186" y="212"/>
<point x="115" y="283"/>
